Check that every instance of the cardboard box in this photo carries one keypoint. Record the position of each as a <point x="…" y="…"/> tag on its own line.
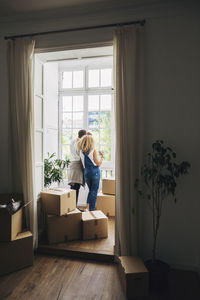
<point x="10" y="225"/>
<point x="134" y="276"/>
<point x="58" y="201"/>
<point x="94" y="225"/>
<point x="16" y="254"/>
<point x="108" y="186"/>
<point x="106" y="203"/>
<point x="64" y="228"/>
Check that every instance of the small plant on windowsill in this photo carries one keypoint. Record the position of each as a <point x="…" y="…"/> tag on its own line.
<point x="53" y="169"/>
<point x="158" y="180"/>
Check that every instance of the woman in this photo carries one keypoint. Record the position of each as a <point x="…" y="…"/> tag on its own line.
<point x="91" y="165"/>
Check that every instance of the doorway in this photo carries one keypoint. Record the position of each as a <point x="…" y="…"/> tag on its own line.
<point x="76" y="92"/>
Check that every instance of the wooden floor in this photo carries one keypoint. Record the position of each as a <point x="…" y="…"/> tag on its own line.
<point x="56" y="278"/>
<point x="100" y="249"/>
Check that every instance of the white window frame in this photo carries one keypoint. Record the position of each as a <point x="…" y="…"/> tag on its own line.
<point x="86" y="65"/>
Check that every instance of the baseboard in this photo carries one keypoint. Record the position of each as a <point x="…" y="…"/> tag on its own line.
<point x="185" y="267"/>
<point x="180" y="264"/>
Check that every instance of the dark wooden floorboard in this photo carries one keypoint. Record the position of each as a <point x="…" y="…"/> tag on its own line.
<point x="56" y="278"/>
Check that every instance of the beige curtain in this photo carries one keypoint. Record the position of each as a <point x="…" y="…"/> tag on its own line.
<point x="128" y="51"/>
<point x="20" y="59"/>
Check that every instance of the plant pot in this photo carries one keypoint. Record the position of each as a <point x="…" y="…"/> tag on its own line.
<point x="158" y="274"/>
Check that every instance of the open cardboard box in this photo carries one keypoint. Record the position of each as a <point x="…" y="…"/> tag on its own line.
<point x="10" y="224"/>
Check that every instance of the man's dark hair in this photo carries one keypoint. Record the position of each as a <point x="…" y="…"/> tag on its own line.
<point x="81" y="133"/>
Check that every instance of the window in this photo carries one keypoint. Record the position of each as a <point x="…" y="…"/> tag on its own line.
<point x="86" y="102"/>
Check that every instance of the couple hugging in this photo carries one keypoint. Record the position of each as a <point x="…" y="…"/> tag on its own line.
<point x="84" y="166"/>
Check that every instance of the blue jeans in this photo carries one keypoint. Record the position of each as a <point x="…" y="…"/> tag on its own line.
<point x="92" y="178"/>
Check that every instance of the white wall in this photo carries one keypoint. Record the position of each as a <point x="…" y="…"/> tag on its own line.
<point x="172" y="106"/>
<point x="51" y="108"/>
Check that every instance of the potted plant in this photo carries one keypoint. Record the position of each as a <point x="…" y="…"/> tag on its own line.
<point x="158" y="181"/>
<point x="53" y="169"/>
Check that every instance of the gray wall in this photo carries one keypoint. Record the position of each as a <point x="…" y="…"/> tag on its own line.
<point x="172" y="106"/>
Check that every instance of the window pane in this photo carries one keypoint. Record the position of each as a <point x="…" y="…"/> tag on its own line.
<point x="104" y="120"/>
<point x="67" y="103"/>
<point x="106" y="77"/>
<point x="107" y="152"/>
<point x="105" y="136"/>
<point x="77" y="79"/>
<point x="78" y="120"/>
<point x="93" y="120"/>
<point x="66" y="136"/>
<point x="105" y="102"/>
<point x="93" y="78"/>
<point x="97" y="148"/>
<point x="103" y="174"/>
<point x="65" y="173"/>
<point x="65" y="151"/>
<point x="95" y="134"/>
<point x="75" y="133"/>
<point x="93" y="102"/>
<point x="78" y="103"/>
<point x="107" y="174"/>
<point x="67" y="120"/>
<point x="67" y="80"/>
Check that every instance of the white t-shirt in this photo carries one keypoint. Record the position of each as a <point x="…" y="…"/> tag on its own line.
<point x="74" y="152"/>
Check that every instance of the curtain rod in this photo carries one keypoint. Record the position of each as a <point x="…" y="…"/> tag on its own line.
<point x="141" y="22"/>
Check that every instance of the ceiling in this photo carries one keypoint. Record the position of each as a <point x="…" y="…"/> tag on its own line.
<point x="76" y="54"/>
<point x="16" y="8"/>
<point x="10" y="7"/>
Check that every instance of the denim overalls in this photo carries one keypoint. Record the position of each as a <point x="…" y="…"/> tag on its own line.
<point x="92" y="178"/>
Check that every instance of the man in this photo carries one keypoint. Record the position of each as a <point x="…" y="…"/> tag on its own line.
<point x="75" y="175"/>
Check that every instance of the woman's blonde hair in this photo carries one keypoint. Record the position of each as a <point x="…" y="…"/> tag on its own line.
<point x="86" y="143"/>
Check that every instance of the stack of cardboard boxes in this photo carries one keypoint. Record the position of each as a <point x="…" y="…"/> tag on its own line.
<point x="67" y="223"/>
<point x="106" y="199"/>
<point x="63" y="219"/>
<point x="16" y="246"/>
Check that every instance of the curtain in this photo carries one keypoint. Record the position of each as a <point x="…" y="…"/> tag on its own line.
<point x="20" y="59"/>
<point x="128" y="62"/>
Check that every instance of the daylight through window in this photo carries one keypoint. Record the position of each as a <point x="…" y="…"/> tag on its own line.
<point x="86" y="101"/>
